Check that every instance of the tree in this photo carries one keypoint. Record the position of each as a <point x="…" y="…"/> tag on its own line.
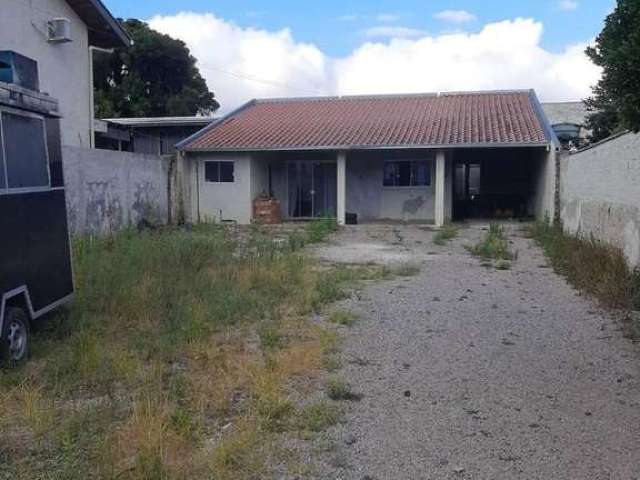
<point x="615" y="104"/>
<point x="156" y="76"/>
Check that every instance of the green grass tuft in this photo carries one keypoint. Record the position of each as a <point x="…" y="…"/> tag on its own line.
<point x="343" y="317"/>
<point x="445" y="234"/>
<point x="318" y="417"/>
<point x="339" y="390"/>
<point x="493" y="245"/>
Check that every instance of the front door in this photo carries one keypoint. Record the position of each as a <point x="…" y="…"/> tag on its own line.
<point x="312" y="189"/>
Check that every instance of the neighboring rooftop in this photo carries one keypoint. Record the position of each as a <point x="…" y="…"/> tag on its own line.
<point x="160" y="121"/>
<point x="379" y="121"/>
<point x="565" y="112"/>
<point x="104" y="30"/>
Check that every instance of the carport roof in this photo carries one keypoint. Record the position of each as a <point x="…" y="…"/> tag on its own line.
<point x="467" y="119"/>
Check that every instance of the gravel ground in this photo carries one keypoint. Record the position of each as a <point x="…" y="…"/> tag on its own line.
<point x="471" y="372"/>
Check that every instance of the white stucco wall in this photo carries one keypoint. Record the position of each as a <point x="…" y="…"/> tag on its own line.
<point x="545" y="186"/>
<point x="367" y="196"/>
<point x="224" y="201"/>
<point x="600" y="193"/>
<point x="63" y="68"/>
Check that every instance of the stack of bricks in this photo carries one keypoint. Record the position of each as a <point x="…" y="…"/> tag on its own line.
<point x="266" y="211"/>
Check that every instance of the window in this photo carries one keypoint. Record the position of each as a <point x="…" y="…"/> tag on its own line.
<point x="25" y="151"/>
<point x="219" y="172"/>
<point x="407" y="173"/>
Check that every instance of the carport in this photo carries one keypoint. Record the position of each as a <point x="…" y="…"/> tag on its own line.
<point x="499" y="182"/>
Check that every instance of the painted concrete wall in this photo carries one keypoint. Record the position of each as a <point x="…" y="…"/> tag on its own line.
<point x="63" y="67"/>
<point x="108" y="190"/>
<point x="545" y="186"/>
<point x="365" y="193"/>
<point x="223" y="201"/>
<point x="600" y="193"/>
<point x="371" y="200"/>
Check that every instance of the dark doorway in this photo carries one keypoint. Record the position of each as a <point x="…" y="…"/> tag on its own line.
<point x="312" y="189"/>
<point x="493" y="182"/>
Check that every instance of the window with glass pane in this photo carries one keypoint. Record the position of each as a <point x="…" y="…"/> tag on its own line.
<point x="211" y="172"/>
<point x="25" y="151"/>
<point x="420" y="174"/>
<point x="219" y="172"/>
<point x="226" y="172"/>
<point x="407" y="173"/>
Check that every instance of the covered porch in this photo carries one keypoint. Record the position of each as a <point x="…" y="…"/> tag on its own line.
<point x="357" y="186"/>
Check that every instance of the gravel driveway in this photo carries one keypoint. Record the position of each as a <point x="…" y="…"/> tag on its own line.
<point x="471" y="372"/>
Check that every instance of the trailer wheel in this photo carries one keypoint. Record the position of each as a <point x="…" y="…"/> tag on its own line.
<point x="14" y="343"/>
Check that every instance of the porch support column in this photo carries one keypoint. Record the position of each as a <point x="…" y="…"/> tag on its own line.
<point x="439" y="197"/>
<point x="341" y="190"/>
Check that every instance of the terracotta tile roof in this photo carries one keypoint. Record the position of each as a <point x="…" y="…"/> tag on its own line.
<point x="427" y="120"/>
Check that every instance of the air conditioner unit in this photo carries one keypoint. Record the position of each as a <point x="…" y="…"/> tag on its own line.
<point x="59" y="30"/>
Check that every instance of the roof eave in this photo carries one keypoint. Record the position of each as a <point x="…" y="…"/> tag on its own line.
<point x="113" y="36"/>
<point x="371" y="147"/>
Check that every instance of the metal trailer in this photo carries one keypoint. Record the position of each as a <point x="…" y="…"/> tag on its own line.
<point x="35" y="255"/>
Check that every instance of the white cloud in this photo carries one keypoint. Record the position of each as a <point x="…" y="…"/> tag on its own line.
<point x="243" y="63"/>
<point x="393" y="32"/>
<point x="568" y="5"/>
<point x="387" y="17"/>
<point x="455" y="16"/>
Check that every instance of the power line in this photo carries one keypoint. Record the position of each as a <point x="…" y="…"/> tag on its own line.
<point x="253" y="78"/>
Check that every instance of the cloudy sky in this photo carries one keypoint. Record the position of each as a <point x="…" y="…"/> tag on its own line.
<point x="250" y="48"/>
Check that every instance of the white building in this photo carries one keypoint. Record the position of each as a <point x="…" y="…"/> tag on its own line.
<point x="59" y="34"/>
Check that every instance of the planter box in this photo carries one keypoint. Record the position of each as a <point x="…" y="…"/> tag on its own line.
<point x="266" y="211"/>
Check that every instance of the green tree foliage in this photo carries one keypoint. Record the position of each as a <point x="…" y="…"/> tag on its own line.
<point x="156" y="76"/>
<point x="615" y="104"/>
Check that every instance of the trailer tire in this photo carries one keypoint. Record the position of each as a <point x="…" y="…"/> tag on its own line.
<point x="14" y="341"/>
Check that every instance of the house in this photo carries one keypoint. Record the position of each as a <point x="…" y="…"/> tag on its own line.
<point x="412" y="158"/>
<point x="155" y="135"/>
<point x="568" y="121"/>
<point x="60" y="36"/>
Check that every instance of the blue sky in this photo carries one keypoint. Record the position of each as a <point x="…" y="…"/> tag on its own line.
<point x="249" y="48"/>
<point x="338" y="26"/>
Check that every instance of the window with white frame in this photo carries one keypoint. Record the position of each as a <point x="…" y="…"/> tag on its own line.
<point x="407" y="173"/>
<point x="219" y="172"/>
<point x="23" y="155"/>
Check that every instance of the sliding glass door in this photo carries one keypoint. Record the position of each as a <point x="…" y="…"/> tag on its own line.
<point x="312" y="189"/>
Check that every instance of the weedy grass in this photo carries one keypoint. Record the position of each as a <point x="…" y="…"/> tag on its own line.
<point x="173" y="334"/>
<point x="406" y="270"/>
<point x="447" y="233"/>
<point x="338" y="389"/>
<point x="590" y="265"/>
<point x="493" y="245"/>
<point x="319" y="416"/>
<point x="319" y="228"/>
<point x="343" y="317"/>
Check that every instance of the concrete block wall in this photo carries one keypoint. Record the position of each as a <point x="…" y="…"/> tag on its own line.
<point x="108" y="190"/>
<point x="600" y="193"/>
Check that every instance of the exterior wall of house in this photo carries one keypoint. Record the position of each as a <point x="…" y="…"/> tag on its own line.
<point x="107" y="191"/>
<point x="600" y="193"/>
<point x="63" y="67"/>
<point x="543" y="201"/>
<point x="365" y="194"/>
<point x="223" y="201"/>
<point x="371" y="200"/>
